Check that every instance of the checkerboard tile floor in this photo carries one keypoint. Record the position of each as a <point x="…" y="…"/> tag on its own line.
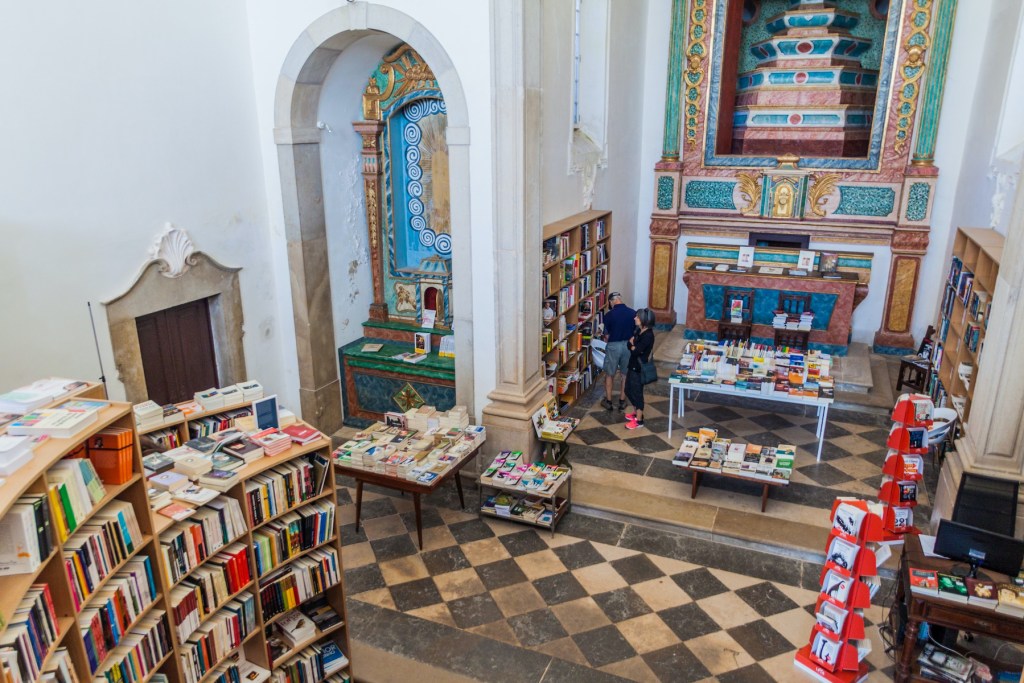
<point x="590" y="598"/>
<point x="851" y="458"/>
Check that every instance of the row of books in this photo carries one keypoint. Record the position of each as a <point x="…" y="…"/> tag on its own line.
<point x="28" y="535"/>
<point x="591" y="233"/>
<point x="1004" y="597"/>
<point x="298" y="531"/>
<point x="704" y="449"/>
<point x="215" y="639"/>
<point x="284" y="487"/>
<point x="211" y="424"/>
<point x="74" y="490"/>
<point x="556" y="248"/>
<point x="310" y="620"/>
<point x="236" y="669"/>
<point x="109" y="539"/>
<point x="114" y="610"/>
<point x="209" y="587"/>
<point x="510" y="470"/>
<point x="793" y="321"/>
<point x="529" y="508"/>
<point x="187" y="544"/>
<point x="150" y="414"/>
<point x="293" y="584"/>
<point x="138" y="655"/>
<point x="314" y="663"/>
<point x="31" y="634"/>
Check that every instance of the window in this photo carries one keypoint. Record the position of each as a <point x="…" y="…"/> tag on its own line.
<point x="589" y="108"/>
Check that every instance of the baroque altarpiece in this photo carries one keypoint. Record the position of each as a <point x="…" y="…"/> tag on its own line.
<point x="802" y="118"/>
<point x="406" y="189"/>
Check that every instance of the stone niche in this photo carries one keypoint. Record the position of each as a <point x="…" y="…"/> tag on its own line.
<point x="176" y="274"/>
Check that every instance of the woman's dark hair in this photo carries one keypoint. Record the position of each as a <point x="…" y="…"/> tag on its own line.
<point x="646" y="317"/>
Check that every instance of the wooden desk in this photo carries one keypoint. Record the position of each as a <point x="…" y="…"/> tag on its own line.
<point x="939" y="612"/>
<point x="765" y="481"/>
<point x="398" y="484"/>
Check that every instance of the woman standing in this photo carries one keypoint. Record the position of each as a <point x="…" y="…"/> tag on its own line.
<point x="640" y="347"/>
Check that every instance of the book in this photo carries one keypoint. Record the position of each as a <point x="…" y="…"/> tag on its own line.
<point x="805" y="261"/>
<point x="981" y="592"/>
<point x="372" y="348"/>
<point x="169" y="481"/>
<point x="924" y="581"/>
<point x="952" y="587"/>
<point x="1010" y="599"/>
<point x="55" y="423"/>
<point x="770" y="270"/>
<point x="421" y="342"/>
<point x="302" y="434"/>
<point x="155" y="463"/>
<point x="943" y="664"/>
<point x="177" y="511"/>
<point x="295" y="627"/>
<point x="15" y="451"/>
<point x="195" y="494"/>
<point x="745" y="257"/>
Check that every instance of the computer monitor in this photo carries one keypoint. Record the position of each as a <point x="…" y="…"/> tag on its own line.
<point x="987" y="503"/>
<point x="978" y="547"/>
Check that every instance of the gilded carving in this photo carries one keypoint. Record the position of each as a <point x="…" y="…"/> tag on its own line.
<point x="404" y="72"/>
<point x="823" y="186"/>
<point x="782" y="200"/>
<point x="661" y="262"/>
<point x="371" y="211"/>
<point x="750" y="189"/>
<point x="664" y="227"/>
<point x="912" y="69"/>
<point x="903" y="281"/>
<point x="369" y="141"/>
<point x="695" y="54"/>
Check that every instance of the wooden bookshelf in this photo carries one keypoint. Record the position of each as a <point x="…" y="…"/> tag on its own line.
<point x="576" y="263"/>
<point x="31" y="479"/>
<point x="964" y="312"/>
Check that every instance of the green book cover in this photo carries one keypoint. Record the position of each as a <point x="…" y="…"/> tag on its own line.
<point x="65" y="502"/>
<point x="92" y="481"/>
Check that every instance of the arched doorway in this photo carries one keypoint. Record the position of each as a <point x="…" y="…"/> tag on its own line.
<point x="298" y="139"/>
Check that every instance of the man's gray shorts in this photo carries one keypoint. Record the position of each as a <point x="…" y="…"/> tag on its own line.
<point x="616" y="357"/>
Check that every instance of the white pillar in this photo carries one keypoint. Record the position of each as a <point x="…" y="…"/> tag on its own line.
<point x="516" y="107"/>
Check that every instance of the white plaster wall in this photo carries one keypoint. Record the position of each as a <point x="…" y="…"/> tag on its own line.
<point x="653" y="78"/>
<point x="463" y="29"/>
<point x="616" y="187"/>
<point x="344" y="203"/>
<point x="119" y="117"/>
<point x="974" y="102"/>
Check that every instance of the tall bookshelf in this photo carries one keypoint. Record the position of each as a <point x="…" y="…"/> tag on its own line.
<point x="963" y="317"/>
<point x="574" y="287"/>
<point x="32" y="479"/>
<point x="255" y="643"/>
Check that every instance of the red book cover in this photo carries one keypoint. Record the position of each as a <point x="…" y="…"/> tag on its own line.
<point x="301" y="433"/>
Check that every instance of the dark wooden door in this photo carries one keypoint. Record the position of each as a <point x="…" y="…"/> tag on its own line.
<point x="177" y="352"/>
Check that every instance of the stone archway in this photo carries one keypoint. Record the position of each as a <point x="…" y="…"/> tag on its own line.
<point x="298" y="142"/>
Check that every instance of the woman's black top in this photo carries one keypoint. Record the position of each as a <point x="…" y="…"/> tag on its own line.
<point x="641" y="349"/>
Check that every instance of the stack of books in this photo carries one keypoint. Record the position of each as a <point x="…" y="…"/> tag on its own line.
<point x="272" y="442"/>
<point x="62" y="422"/>
<point x="15" y="451"/>
<point x="703" y="449"/>
<point x="148" y="415"/>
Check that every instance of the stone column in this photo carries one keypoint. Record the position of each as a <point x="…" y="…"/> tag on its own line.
<point x="306" y="232"/>
<point x="372" y="173"/>
<point x="993" y="440"/>
<point x="516" y="69"/>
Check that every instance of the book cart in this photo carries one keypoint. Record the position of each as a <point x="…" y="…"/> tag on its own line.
<point x="903" y="468"/>
<point x="535" y="494"/>
<point x="838" y="645"/>
<point x="574" y="285"/>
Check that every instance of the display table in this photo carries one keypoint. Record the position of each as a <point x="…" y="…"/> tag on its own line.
<point x="939" y="612"/>
<point x="409" y="486"/>
<point x="676" y="395"/>
<point x="766" y="481"/>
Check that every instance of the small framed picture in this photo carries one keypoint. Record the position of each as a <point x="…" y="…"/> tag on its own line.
<point x="746" y="257"/>
<point x="805" y="260"/>
<point x="828" y="262"/>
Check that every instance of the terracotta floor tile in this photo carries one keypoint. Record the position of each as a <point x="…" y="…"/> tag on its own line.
<point x="403" y="569"/>
<point x="357" y="555"/>
<point x="484" y="551"/>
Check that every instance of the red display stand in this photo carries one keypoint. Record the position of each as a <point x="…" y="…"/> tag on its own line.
<point x="832" y="654"/>
<point x="904" y="464"/>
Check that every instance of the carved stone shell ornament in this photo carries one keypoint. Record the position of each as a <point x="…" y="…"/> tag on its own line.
<point x="174" y="248"/>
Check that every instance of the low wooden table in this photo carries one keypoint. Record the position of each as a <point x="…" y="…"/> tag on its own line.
<point x="939" y="612"/>
<point x="398" y="484"/>
<point x="765" y="480"/>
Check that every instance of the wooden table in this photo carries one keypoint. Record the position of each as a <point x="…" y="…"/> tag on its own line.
<point x="416" y="488"/>
<point x="766" y="481"/>
<point x="939" y="612"/>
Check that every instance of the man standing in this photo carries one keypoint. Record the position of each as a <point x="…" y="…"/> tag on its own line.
<point x="618" y="325"/>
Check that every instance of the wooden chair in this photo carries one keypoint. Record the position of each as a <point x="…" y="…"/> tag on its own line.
<point x="914" y="370"/>
<point x="728" y="330"/>
<point x="793" y="304"/>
